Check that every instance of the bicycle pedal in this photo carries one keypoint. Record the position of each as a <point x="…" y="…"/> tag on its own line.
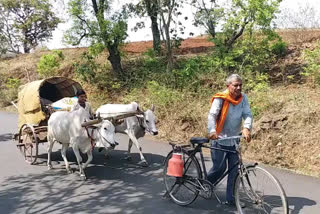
<point x="205" y="194"/>
<point x="206" y="191"/>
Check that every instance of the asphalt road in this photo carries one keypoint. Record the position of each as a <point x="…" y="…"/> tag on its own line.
<point x="114" y="185"/>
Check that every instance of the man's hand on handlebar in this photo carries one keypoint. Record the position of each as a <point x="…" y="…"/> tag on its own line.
<point x="246" y="134"/>
<point x="212" y="136"/>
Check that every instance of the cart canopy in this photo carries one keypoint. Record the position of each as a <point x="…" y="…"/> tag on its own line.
<point x="34" y="95"/>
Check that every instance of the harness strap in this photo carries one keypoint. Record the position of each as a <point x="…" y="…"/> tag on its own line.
<point x="91" y="138"/>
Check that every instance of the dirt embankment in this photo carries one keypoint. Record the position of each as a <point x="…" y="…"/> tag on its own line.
<point x="188" y="46"/>
<point x="288" y="133"/>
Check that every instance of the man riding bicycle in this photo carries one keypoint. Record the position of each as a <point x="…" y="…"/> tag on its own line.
<point x="227" y="110"/>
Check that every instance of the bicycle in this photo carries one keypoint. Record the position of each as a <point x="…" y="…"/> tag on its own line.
<point x="254" y="187"/>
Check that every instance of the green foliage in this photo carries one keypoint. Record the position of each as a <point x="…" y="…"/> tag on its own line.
<point x="26" y="23"/>
<point x="245" y="16"/>
<point x="98" y="23"/>
<point x="8" y="95"/>
<point x="86" y="70"/>
<point x="95" y="49"/>
<point x="9" y="92"/>
<point x="279" y="48"/>
<point x="145" y="69"/>
<point x="260" y="102"/>
<point x="49" y="64"/>
<point x="256" y="82"/>
<point x="312" y="69"/>
<point x="150" y="53"/>
<point x="208" y="15"/>
<point x="252" y="54"/>
<point x="161" y="96"/>
<point x="13" y="83"/>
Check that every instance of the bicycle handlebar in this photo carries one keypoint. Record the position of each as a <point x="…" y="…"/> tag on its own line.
<point x="228" y="138"/>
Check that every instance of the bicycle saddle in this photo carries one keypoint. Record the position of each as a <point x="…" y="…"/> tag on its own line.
<point x="199" y="140"/>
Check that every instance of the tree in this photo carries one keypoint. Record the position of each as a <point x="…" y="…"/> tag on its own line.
<point x="151" y="8"/>
<point x="97" y="23"/>
<point x="168" y="9"/>
<point x="246" y="15"/>
<point x="234" y="17"/>
<point x="208" y="14"/>
<point x="26" y="23"/>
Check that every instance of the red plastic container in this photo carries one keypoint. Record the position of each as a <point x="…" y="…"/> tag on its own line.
<point x="175" y="165"/>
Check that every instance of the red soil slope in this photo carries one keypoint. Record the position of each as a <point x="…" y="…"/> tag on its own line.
<point x="189" y="45"/>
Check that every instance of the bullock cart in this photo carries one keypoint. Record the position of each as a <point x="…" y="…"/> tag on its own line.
<point x="34" y="110"/>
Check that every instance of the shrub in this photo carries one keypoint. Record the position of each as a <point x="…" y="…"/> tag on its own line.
<point x="13" y="83"/>
<point x="279" y="48"/>
<point x="312" y="69"/>
<point x="87" y="69"/>
<point x="10" y="91"/>
<point x="154" y="93"/>
<point x="49" y="64"/>
<point x="150" y="53"/>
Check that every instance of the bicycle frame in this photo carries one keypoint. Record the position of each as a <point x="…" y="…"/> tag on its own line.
<point x="226" y="172"/>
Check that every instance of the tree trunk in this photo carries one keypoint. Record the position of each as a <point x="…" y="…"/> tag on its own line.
<point x="26" y="47"/>
<point x="170" y="61"/>
<point x="211" y="29"/>
<point x="152" y="10"/>
<point x="155" y="34"/>
<point x="169" y="49"/>
<point x="115" y="59"/>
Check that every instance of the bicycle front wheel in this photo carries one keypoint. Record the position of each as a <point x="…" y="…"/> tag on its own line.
<point x="183" y="190"/>
<point x="258" y="191"/>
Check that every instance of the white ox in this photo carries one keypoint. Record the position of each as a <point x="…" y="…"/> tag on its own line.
<point x="65" y="128"/>
<point x="135" y="127"/>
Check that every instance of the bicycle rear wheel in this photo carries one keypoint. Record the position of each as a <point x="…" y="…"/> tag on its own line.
<point x="183" y="190"/>
<point x="260" y="192"/>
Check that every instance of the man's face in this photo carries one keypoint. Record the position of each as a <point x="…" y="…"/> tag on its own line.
<point x="82" y="98"/>
<point x="235" y="88"/>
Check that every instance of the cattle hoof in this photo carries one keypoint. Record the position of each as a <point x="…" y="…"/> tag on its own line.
<point x="83" y="177"/>
<point x="143" y="163"/>
<point x="50" y="167"/>
<point x="69" y="171"/>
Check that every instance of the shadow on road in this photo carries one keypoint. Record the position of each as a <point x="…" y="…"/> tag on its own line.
<point x="298" y="203"/>
<point x="5" y="137"/>
<point x="113" y="186"/>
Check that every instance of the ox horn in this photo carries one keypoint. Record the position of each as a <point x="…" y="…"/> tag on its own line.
<point x="152" y="107"/>
<point x="140" y="110"/>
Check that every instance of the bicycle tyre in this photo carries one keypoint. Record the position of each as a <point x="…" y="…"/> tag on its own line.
<point x="181" y="190"/>
<point x="258" y="198"/>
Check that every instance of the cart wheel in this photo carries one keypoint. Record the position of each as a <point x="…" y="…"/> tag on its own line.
<point x="28" y="143"/>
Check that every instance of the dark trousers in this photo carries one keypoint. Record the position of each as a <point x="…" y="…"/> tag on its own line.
<point x="220" y="159"/>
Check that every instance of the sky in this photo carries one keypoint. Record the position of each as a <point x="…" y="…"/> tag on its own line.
<point x="145" y="34"/>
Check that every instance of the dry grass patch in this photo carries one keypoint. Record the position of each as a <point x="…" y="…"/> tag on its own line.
<point x="288" y="134"/>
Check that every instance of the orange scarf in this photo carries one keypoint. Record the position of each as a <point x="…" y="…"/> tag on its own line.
<point x="223" y="112"/>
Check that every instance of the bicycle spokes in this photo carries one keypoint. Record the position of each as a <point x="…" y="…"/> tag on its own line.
<point x="260" y="192"/>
